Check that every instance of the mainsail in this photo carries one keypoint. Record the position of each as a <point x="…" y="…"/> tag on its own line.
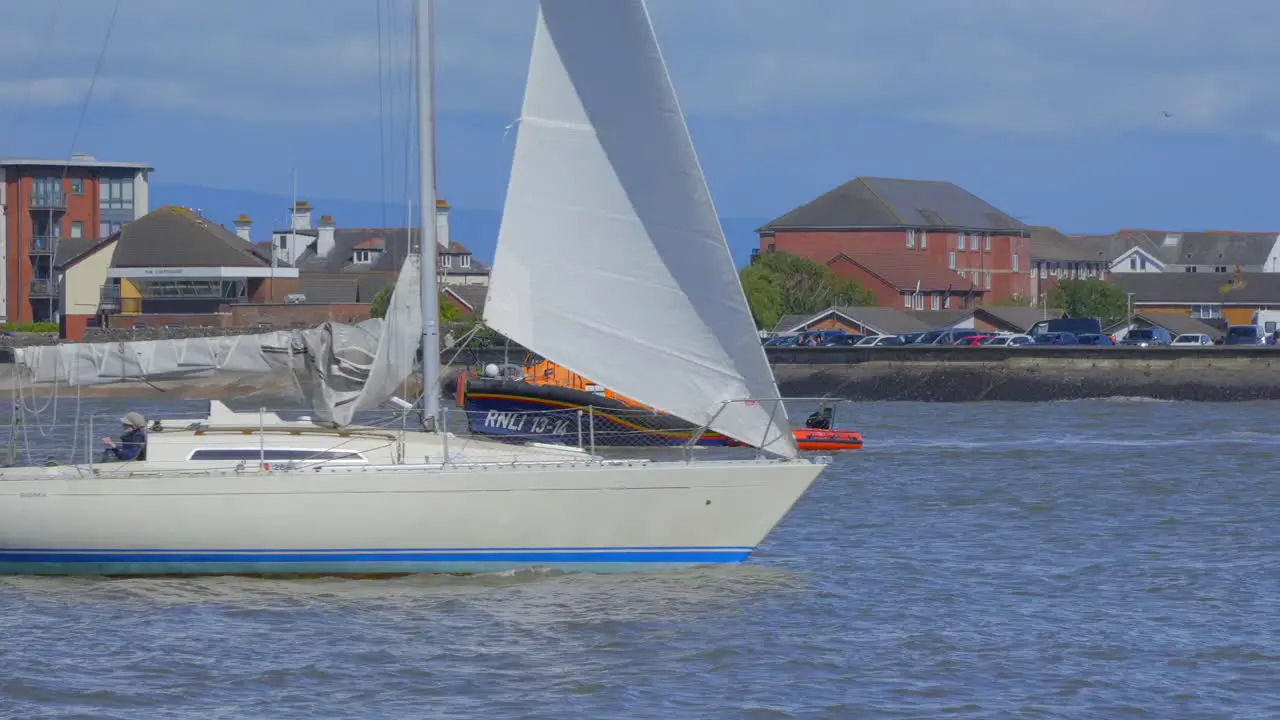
<point x="339" y="368"/>
<point x="611" y="260"/>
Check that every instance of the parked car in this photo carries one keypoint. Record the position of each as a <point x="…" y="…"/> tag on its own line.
<point x="971" y="340"/>
<point x="842" y="340"/>
<point x="1146" y="337"/>
<point x="879" y="340"/>
<point x="910" y="338"/>
<point x="1192" y="339"/>
<point x="1094" y="339"/>
<point x="953" y="337"/>
<point x="1057" y="338"/>
<point x="1008" y="340"/>
<point x="1244" y="335"/>
<point x="1075" y="326"/>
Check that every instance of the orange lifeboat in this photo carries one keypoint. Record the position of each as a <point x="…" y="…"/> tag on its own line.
<point x="820" y="439"/>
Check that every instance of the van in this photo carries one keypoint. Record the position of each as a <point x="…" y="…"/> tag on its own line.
<point x="1268" y="320"/>
<point x="1244" y="335"/>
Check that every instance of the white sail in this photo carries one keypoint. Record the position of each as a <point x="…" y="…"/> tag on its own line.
<point x="611" y="260"/>
<point x="338" y="368"/>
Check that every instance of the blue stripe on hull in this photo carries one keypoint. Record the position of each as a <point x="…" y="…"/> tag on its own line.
<point x="530" y="420"/>
<point x="354" y="562"/>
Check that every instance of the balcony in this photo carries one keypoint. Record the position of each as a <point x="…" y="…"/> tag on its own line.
<point x="42" y="288"/>
<point x="43" y="244"/>
<point x="48" y="200"/>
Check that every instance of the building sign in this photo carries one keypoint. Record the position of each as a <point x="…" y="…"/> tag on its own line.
<point x="164" y="272"/>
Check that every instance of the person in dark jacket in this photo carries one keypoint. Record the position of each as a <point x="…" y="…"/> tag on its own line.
<point x="133" y="441"/>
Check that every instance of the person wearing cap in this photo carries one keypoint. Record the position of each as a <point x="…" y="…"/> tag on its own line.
<point x="133" y="442"/>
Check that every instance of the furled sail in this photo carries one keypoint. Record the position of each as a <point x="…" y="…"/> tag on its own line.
<point x="338" y="368"/>
<point x="611" y="260"/>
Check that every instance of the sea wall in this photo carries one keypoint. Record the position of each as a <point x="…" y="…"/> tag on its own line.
<point x="931" y="374"/>
<point x="965" y="374"/>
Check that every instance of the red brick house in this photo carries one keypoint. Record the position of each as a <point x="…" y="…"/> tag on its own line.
<point x="936" y="221"/>
<point x="910" y="281"/>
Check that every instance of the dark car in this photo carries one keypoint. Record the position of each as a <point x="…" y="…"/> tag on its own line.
<point x="1094" y="339"/>
<point x="909" y="338"/>
<point x="1057" y="338"/>
<point x="1145" y="337"/>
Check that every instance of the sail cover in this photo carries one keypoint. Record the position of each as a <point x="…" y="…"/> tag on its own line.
<point x="611" y="260"/>
<point x="339" y="368"/>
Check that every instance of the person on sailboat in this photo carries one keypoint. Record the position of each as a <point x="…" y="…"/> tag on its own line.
<point x="133" y="441"/>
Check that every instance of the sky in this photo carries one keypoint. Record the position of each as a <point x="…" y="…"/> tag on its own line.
<point x="1087" y="115"/>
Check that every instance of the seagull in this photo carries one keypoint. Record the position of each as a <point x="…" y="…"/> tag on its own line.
<point x="1167" y="113"/>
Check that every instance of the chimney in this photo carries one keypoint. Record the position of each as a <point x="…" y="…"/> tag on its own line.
<point x="243" y="226"/>
<point x="442" y="224"/>
<point x="324" y="236"/>
<point x="301" y="214"/>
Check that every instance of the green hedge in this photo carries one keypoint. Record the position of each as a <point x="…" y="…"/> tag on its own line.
<point x="30" y="327"/>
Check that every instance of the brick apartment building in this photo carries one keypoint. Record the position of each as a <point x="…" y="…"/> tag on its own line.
<point x="934" y="222"/>
<point x="44" y="201"/>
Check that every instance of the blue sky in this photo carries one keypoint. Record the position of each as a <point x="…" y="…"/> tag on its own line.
<point x="1053" y="110"/>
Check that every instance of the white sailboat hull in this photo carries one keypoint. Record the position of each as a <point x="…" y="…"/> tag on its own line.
<point x="400" y="519"/>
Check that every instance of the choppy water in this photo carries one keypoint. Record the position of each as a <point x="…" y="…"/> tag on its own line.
<point x="1089" y="559"/>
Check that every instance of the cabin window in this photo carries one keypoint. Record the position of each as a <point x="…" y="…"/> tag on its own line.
<point x="276" y="454"/>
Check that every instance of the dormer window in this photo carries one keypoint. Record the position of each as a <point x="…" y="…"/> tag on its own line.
<point x="362" y="257"/>
<point x="464" y="261"/>
<point x="446" y="261"/>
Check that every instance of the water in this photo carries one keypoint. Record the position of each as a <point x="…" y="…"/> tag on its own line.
<point x="1089" y="559"/>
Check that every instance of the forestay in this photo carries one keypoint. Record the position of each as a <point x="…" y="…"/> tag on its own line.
<point x="611" y="260"/>
<point x="338" y="368"/>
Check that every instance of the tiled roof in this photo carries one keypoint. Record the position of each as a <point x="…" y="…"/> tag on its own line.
<point x="1212" y="247"/>
<point x="395" y="247"/>
<point x="867" y="202"/>
<point x="1015" y="318"/>
<point x="788" y="323"/>
<point x="903" y="270"/>
<point x="473" y="296"/>
<point x="174" y="236"/>
<point x="1049" y="244"/>
<point x="330" y="290"/>
<point x="939" y="319"/>
<point x="1179" y="324"/>
<point x="1202" y="288"/>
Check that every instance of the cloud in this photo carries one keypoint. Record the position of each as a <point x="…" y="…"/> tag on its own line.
<point x="1048" y="66"/>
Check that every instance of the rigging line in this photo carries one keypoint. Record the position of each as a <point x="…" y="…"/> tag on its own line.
<point x="382" y="120"/>
<point x="93" y="82"/>
<point x="36" y="62"/>
<point x="410" y="93"/>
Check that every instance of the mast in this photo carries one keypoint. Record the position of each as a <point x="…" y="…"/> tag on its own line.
<point x="424" y="52"/>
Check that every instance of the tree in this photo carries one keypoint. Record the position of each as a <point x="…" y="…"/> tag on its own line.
<point x="1091" y="298"/>
<point x="382" y="300"/>
<point x="778" y="284"/>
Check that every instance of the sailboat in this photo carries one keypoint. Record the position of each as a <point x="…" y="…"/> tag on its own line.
<point x="604" y="169"/>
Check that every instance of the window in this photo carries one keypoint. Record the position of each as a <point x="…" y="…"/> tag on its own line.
<point x="1191" y="268"/>
<point x="911" y="238"/>
<point x="107" y="229"/>
<point x="362" y="257"/>
<point x="973" y="278"/>
<point x="464" y="261"/>
<point x="77" y="188"/>
<point x="284" y="243"/>
<point x="116" y="194"/>
<point x="935" y="301"/>
<point x="1220" y="269"/>
<point x="773" y="247"/>
<point x="960" y="241"/>
<point x="924" y="239"/>
<point x="276" y="454"/>
<point x="906" y="301"/>
<point x="1142" y="262"/>
<point x="1206" y="312"/>
<point x="986" y="280"/>
<point x="1133" y="262"/>
<point x="77" y="229"/>
<point x="953" y="259"/>
<point x="1014" y="266"/>
<point x="1044" y="270"/>
<point x="987" y="240"/>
